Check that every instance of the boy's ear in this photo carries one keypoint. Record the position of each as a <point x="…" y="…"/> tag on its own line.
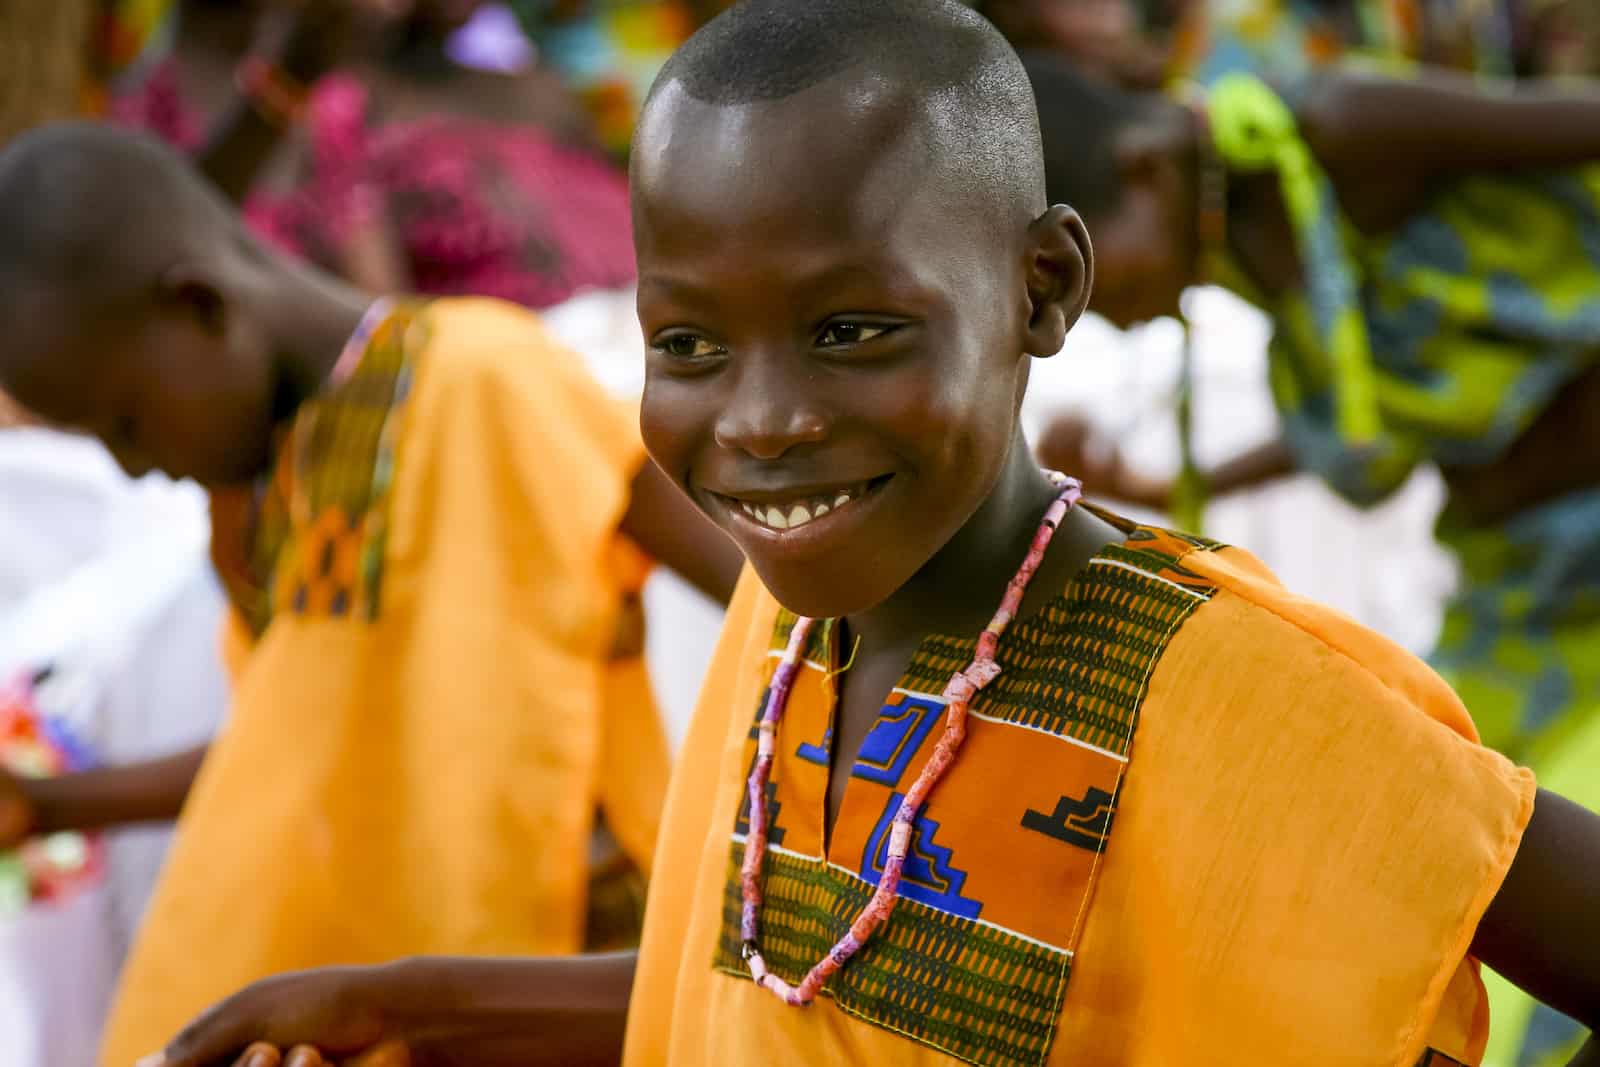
<point x="1060" y="272"/>
<point x="192" y="292"/>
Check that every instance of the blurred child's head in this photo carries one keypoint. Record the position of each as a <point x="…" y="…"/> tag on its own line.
<point x="846" y="262"/>
<point x="1125" y="161"/>
<point x="121" y="274"/>
<point x="1103" y="36"/>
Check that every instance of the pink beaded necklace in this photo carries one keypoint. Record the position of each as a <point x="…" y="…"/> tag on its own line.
<point x="958" y="692"/>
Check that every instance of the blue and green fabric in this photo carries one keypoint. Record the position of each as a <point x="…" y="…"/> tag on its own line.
<point x="1288" y="38"/>
<point x="1442" y="342"/>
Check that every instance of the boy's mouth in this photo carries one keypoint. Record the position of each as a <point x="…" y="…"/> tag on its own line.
<point x="782" y="513"/>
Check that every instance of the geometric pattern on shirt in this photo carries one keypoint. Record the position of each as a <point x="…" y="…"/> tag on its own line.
<point x="929" y="875"/>
<point x="1085" y="823"/>
<point x="324" y="520"/>
<point x="1078" y="668"/>
<point x="978" y="992"/>
<point x="952" y="968"/>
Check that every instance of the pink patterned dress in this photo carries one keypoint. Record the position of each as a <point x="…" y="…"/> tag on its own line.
<point x="477" y="207"/>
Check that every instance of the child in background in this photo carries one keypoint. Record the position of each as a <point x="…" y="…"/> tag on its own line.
<point x="1427" y="250"/>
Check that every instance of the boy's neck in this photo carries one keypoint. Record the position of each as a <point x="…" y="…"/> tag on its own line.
<point x="311" y="317"/>
<point x="957" y="591"/>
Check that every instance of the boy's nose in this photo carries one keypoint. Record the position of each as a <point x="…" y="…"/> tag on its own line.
<point x="770" y="438"/>
<point x="768" y="429"/>
<point x="770" y="412"/>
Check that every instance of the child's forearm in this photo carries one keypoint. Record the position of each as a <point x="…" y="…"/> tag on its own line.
<point x="520" y="1013"/>
<point x="153" y="791"/>
<point x="447" y="1011"/>
<point x="1248" y="470"/>
<point x="1445" y="124"/>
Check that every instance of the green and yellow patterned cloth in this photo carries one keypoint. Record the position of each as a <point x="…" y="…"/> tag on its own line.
<point x="1442" y="343"/>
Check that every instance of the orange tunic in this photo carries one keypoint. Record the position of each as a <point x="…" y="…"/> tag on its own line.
<point x="414" y="757"/>
<point x="1196" y="820"/>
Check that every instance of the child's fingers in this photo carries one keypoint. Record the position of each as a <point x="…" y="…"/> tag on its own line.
<point x="305" y="1056"/>
<point x="260" y="1054"/>
<point x="388" y="1054"/>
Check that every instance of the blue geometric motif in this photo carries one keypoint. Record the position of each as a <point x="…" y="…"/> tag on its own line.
<point x="927" y="876"/>
<point x="887" y="750"/>
<point x="818" y="754"/>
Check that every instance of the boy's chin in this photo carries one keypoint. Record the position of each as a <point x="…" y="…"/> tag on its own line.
<point x="820" y="592"/>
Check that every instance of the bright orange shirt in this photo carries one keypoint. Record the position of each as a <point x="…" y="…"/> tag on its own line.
<point x="1196" y="820"/>
<point x="430" y="714"/>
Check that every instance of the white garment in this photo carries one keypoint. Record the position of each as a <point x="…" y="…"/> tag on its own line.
<point x="1380" y="566"/>
<point x="107" y="581"/>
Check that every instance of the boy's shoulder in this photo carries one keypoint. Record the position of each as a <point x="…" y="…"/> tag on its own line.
<point x="488" y="366"/>
<point x="1257" y="626"/>
<point x="468" y="340"/>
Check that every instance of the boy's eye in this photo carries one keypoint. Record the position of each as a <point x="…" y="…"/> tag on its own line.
<point x="842" y="334"/>
<point x="686" y="346"/>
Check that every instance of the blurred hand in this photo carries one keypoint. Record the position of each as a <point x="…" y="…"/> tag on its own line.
<point x="1072" y="446"/>
<point x="17" y="812"/>
<point x="261" y="1054"/>
<point x="334" y="1010"/>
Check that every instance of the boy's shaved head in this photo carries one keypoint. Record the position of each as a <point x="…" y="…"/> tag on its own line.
<point x="125" y="281"/>
<point x="845" y="263"/>
<point x="92" y="215"/>
<point x="969" y="90"/>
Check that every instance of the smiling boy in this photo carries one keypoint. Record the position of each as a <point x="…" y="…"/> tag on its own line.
<point x="1160" y="812"/>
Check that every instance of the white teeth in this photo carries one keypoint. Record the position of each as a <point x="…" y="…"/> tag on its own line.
<point x="790" y="516"/>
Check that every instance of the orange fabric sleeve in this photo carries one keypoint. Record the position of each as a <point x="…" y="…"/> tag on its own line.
<point x="1307" y="820"/>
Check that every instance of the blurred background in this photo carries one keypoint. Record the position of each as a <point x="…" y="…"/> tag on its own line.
<point x="452" y="146"/>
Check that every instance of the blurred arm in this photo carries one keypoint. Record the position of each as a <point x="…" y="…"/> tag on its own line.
<point x="152" y="791"/>
<point x="1444" y="123"/>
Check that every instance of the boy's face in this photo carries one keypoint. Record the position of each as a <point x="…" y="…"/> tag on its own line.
<point x="835" y="335"/>
<point x="172" y="390"/>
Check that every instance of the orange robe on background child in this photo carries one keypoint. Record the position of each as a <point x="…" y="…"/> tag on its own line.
<point x="431" y="714"/>
<point x="1196" y="820"/>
